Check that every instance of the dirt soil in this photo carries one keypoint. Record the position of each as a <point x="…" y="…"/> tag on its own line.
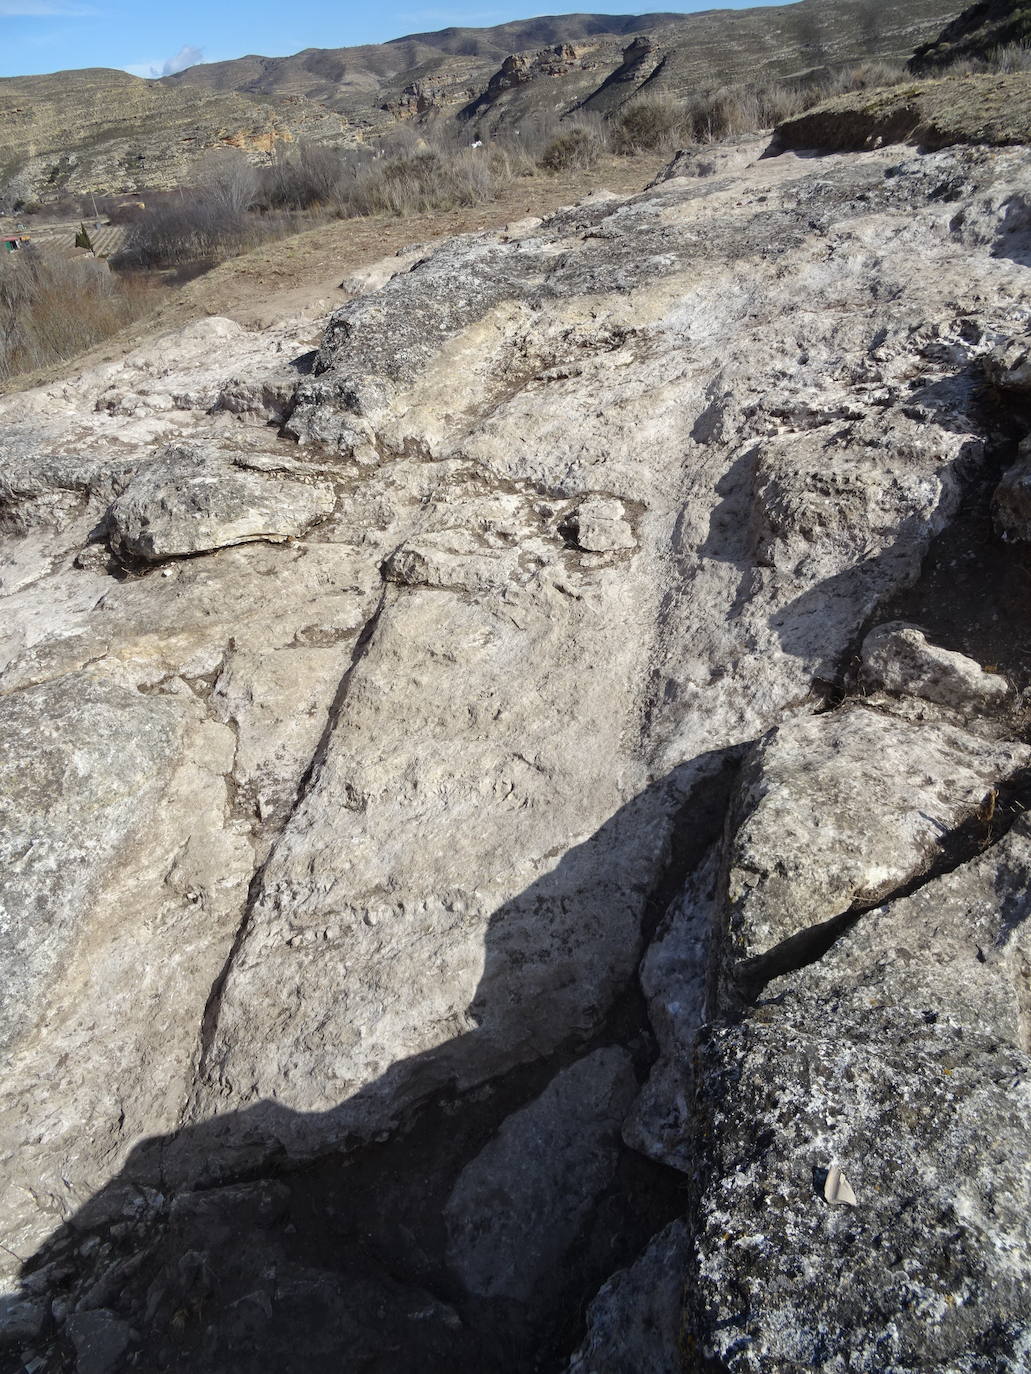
<point x="303" y="272"/>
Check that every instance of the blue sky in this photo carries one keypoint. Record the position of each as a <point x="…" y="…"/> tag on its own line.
<point x="153" y="39"/>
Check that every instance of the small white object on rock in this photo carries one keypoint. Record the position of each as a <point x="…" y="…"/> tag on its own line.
<point x="899" y="658"/>
<point x="837" y="1190"/>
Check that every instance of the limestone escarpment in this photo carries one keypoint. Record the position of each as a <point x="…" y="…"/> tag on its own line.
<point x="521" y="823"/>
<point x="108" y="132"/>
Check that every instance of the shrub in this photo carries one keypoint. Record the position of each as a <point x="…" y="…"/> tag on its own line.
<point x="577" y="148"/>
<point x="53" y="307"/>
<point x="184" y="232"/>
<point x="426" y="178"/>
<point x="647" y="125"/>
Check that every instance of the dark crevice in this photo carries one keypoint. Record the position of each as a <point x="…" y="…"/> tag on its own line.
<point x="212" y="1007"/>
<point x="365" y="1224"/>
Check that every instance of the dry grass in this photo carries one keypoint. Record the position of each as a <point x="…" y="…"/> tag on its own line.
<point x="426" y="178"/>
<point x="53" y="307"/>
<point x="576" y="148"/>
<point x="666" y="125"/>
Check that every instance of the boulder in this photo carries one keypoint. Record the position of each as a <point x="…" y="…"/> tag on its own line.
<point x="634" y="1323"/>
<point x="899" y="1058"/>
<point x="837" y="811"/>
<point x="600" y="525"/>
<point x="1011" y="504"/>
<point x="900" y="659"/>
<point x="519" y="1206"/>
<point x="193" y="500"/>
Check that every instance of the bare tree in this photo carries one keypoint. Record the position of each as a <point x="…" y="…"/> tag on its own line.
<point x="310" y="174"/>
<point x="227" y="181"/>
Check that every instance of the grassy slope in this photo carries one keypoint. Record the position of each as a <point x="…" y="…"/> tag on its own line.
<point x="934" y="114"/>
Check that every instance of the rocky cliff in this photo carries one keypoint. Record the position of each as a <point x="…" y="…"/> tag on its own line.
<point x="109" y="132"/>
<point x="515" y="851"/>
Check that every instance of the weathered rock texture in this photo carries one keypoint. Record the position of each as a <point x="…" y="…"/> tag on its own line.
<point x="900" y="659"/>
<point x="463" y="923"/>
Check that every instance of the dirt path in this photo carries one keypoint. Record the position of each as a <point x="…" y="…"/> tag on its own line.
<point x="296" y="274"/>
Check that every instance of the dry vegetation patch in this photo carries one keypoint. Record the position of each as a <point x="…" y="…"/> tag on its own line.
<point x="52" y="307"/>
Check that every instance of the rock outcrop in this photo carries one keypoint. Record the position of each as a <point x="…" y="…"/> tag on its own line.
<point x="69" y="133"/>
<point x="983" y="109"/>
<point x="520" y="863"/>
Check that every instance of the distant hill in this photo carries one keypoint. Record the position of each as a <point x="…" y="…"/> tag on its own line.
<point x="977" y="33"/>
<point x="105" y="131"/>
<point x="584" y="59"/>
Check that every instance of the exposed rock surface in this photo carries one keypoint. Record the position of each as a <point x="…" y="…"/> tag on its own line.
<point x="809" y="846"/>
<point x="1012" y="502"/>
<point x="901" y="1056"/>
<point x="634" y="1324"/>
<point x="478" y="923"/>
<point x="193" y="501"/>
<point x="521" y="1203"/>
<point x="900" y="659"/>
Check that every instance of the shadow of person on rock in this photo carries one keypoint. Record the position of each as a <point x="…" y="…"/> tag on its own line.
<point x="226" y="1247"/>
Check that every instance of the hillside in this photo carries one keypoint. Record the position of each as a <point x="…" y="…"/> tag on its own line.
<point x="976" y="34"/>
<point x="453" y="68"/>
<point x="104" y="131"/>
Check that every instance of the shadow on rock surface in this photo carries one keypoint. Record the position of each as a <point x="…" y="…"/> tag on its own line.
<point x="352" y="1260"/>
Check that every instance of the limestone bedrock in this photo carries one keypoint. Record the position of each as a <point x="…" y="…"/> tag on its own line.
<point x="362" y="763"/>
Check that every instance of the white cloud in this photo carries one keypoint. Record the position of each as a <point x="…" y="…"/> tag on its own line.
<point x="45" y="9"/>
<point x="187" y="56"/>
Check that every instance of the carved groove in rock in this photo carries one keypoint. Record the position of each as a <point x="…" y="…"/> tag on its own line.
<point x="482" y="790"/>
